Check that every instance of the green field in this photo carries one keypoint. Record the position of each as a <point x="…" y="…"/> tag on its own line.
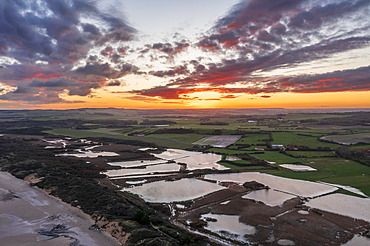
<point x="353" y="147"/>
<point x="184" y="138"/>
<point x="205" y="142"/>
<point x="291" y="138"/>
<point x="276" y="156"/>
<point x="311" y="153"/>
<point x="235" y="167"/>
<point x="311" y="116"/>
<point x="333" y="170"/>
<point x="225" y="151"/>
<point x="75" y="133"/>
<point x="255" y="139"/>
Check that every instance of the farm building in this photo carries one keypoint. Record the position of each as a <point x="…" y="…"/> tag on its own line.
<point x="278" y="146"/>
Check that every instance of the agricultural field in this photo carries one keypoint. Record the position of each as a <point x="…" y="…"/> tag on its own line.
<point x="312" y="116"/>
<point x="291" y="138"/>
<point x="254" y="139"/>
<point x="349" y="139"/>
<point x="305" y="154"/>
<point x="277" y="157"/>
<point x="235" y="167"/>
<point x="225" y="151"/>
<point x="221" y="141"/>
<point x="333" y="170"/>
<point x="183" y="138"/>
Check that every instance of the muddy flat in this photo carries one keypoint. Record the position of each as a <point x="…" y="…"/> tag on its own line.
<point x="28" y="216"/>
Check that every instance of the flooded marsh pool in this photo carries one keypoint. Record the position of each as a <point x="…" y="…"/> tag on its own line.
<point x="346" y="205"/>
<point x="229" y="224"/>
<point x="269" y="197"/>
<point x="136" y="163"/>
<point x="291" y="186"/>
<point x="171" y="191"/>
<point x="193" y="160"/>
<point x="89" y="154"/>
<point x="358" y="241"/>
<point x="160" y="168"/>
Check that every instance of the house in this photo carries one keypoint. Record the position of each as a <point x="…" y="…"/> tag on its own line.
<point x="293" y="147"/>
<point x="278" y="146"/>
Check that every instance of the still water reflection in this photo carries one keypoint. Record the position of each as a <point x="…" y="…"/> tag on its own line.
<point x="179" y="190"/>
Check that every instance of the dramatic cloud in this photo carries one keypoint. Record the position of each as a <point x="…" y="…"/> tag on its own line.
<point x="266" y="35"/>
<point x="52" y="49"/>
<point x="99" y="72"/>
<point x="113" y="83"/>
<point x="346" y="80"/>
<point x="45" y="38"/>
<point x="169" y="49"/>
<point x="59" y="36"/>
<point x="48" y="91"/>
<point x="172" y="72"/>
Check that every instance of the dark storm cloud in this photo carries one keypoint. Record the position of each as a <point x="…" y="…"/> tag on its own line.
<point x="243" y="23"/>
<point x="74" y="87"/>
<point x="170" y="49"/>
<point x="56" y="37"/>
<point x="208" y="44"/>
<point x="114" y="55"/>
<point x="172" y="72"/>
<point x="181" y="46"/>
<point x="107" y="51"/>
<point x="345" y="80"/>
<point x="99" y="71"/>
<point x="261" y="26"/>
<point x="57" y="33"/>
<point x="48" y="91"/>
<point x="92" y="29"/>
<point x="113" y="83"/>
<point x="316" y="16"/>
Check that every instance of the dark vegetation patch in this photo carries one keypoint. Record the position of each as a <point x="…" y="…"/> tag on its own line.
<point x="253" y="185"/>
<point x="174" y="131"/>
<point x="348" y="119"/>
<point x="123" y="141"/>
<point x="33" y="130"/>
<point x="157" y="122"/>
<point x="214" y="123"/>
<point x="362" y="157"/>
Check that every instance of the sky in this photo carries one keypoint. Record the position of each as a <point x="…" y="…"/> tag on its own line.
<point x="62" y="54"/>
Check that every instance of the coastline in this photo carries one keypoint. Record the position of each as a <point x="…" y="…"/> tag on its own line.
<point x="27" y="210"/>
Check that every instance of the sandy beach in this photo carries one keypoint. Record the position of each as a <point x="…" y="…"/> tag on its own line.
<point x="28" y="217"/>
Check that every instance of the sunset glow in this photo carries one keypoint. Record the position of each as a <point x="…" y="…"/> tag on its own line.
<point x="64" y="54"/>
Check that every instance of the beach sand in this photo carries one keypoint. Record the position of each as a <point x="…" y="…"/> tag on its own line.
<point x="25" y="210"/>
